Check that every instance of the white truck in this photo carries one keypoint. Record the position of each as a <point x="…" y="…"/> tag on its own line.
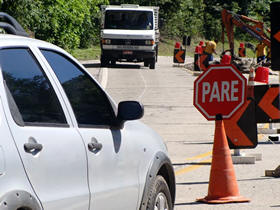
<point x="129" y="33"/>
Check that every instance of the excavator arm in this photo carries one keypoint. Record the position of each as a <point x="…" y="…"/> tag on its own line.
<point x="253" y="27"/>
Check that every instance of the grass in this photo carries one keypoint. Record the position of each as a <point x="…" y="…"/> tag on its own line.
<point x="166" y="48"/>
<point x="91" y="53"/>
<point x="249" y="52"/>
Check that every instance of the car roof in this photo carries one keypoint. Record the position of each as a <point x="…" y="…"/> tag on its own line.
<point x="7" y="40"/>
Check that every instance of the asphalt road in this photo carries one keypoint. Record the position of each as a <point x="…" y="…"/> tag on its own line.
<point x="167" y="95"/>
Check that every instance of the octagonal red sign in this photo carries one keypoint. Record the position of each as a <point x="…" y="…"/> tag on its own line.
<point x="219" y="90"/>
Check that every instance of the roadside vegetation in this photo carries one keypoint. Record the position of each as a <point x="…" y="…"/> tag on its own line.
<point x="166" y="48"/>
<point x="91" y="53"/>
<point x="75" y="24"/>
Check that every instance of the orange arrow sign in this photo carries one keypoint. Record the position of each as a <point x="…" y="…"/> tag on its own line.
<point x="200" y="62"/>
<point x="277" y="36"/>
<point x="266" y="103"/>
<point x="237" y="137"/>
<point x="178" y="56"/>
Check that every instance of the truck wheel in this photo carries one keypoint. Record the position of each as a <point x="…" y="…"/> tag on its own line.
<point x="113" y="62"/>
<point x="146" y="63"/>
<point x="153" y="63"/>
<point x="159" y="195"/>
<point x="104" y="61"/>
<point x="157" y="55"/>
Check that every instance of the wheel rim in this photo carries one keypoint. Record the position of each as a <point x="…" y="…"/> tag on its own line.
<point x="161" y="202"/>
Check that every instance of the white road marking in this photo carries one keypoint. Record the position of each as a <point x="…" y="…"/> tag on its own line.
<point x="145" y="87"/>
<point x="104" y="77"/>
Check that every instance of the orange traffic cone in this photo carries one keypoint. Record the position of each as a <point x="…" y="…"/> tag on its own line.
<point x="251" y="83"/>
<point x="223" y="186"/>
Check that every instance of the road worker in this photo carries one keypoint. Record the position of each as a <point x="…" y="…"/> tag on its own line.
<point x="261" y="52"/>
<point x="197" y="53"/>
<point x="268" y="57"/>
<point x="210" y="49"/>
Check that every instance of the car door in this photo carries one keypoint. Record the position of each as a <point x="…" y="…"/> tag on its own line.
<point x="113" y="175"/>
<point x="51" y="149"/>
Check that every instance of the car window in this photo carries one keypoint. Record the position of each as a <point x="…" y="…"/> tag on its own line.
<point x="90" y="104"/>
<point x="31" y="96"/>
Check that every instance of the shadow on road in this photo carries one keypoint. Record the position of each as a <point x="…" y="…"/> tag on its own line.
<point x="198" y="142"/>
<point x="192" y="183"/>
<point x="116" y="66"/>
<point x="125" y="66"/>
<point x="192" y="163"/>
<point x="204" y="182"/>
<point x="187" y="204"/>
<point x="91" y="65"/>
<point x="255" y="179"/>
<point x="269" y="142"/>
<point x="276" y="206"/>
<point x="200" y="203"/>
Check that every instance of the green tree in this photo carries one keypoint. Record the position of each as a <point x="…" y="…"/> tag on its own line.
<point x="91" y="25"/>
<point x="186" y="18"/>
<point x="76" y="23"/>
<point x="66" y="23"/>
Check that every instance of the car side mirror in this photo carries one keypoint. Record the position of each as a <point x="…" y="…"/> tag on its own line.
<point x="129" y="110"/>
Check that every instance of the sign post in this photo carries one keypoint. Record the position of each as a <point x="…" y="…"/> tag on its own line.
<point x="218" y="93"/>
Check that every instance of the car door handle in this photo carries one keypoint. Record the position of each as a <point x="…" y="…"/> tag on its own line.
<point x="94" y="145"/>
<point x="33" y="147"/>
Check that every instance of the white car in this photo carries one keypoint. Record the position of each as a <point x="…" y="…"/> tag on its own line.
<point x="65" y="144"/>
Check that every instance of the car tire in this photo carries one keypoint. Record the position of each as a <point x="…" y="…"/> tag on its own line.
<point x="153" y="63"/>
<point x="159" y="196"/>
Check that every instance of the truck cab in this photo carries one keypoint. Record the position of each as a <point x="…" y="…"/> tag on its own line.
<point x="129" y="33"/>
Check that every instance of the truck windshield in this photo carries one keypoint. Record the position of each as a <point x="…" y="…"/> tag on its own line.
<point x="132" y="20"/>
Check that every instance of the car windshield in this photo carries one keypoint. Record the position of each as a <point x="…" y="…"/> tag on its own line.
<point x="132" y="20"/>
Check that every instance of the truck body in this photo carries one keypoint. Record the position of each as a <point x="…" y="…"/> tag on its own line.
<point x="129" y="33"/>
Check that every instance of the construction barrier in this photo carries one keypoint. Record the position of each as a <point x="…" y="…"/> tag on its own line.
<point x="179" y="53"/>
<point x="267" y="103"/>
<point x="179" y="56"/>
<point x="241" y="129"/>
<point x="203" y="62"/>
<point x="177" y="45"/>
<point x="197" y="53"/>
<point x="226" y="59"/>
<point x="262" y="74"/>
